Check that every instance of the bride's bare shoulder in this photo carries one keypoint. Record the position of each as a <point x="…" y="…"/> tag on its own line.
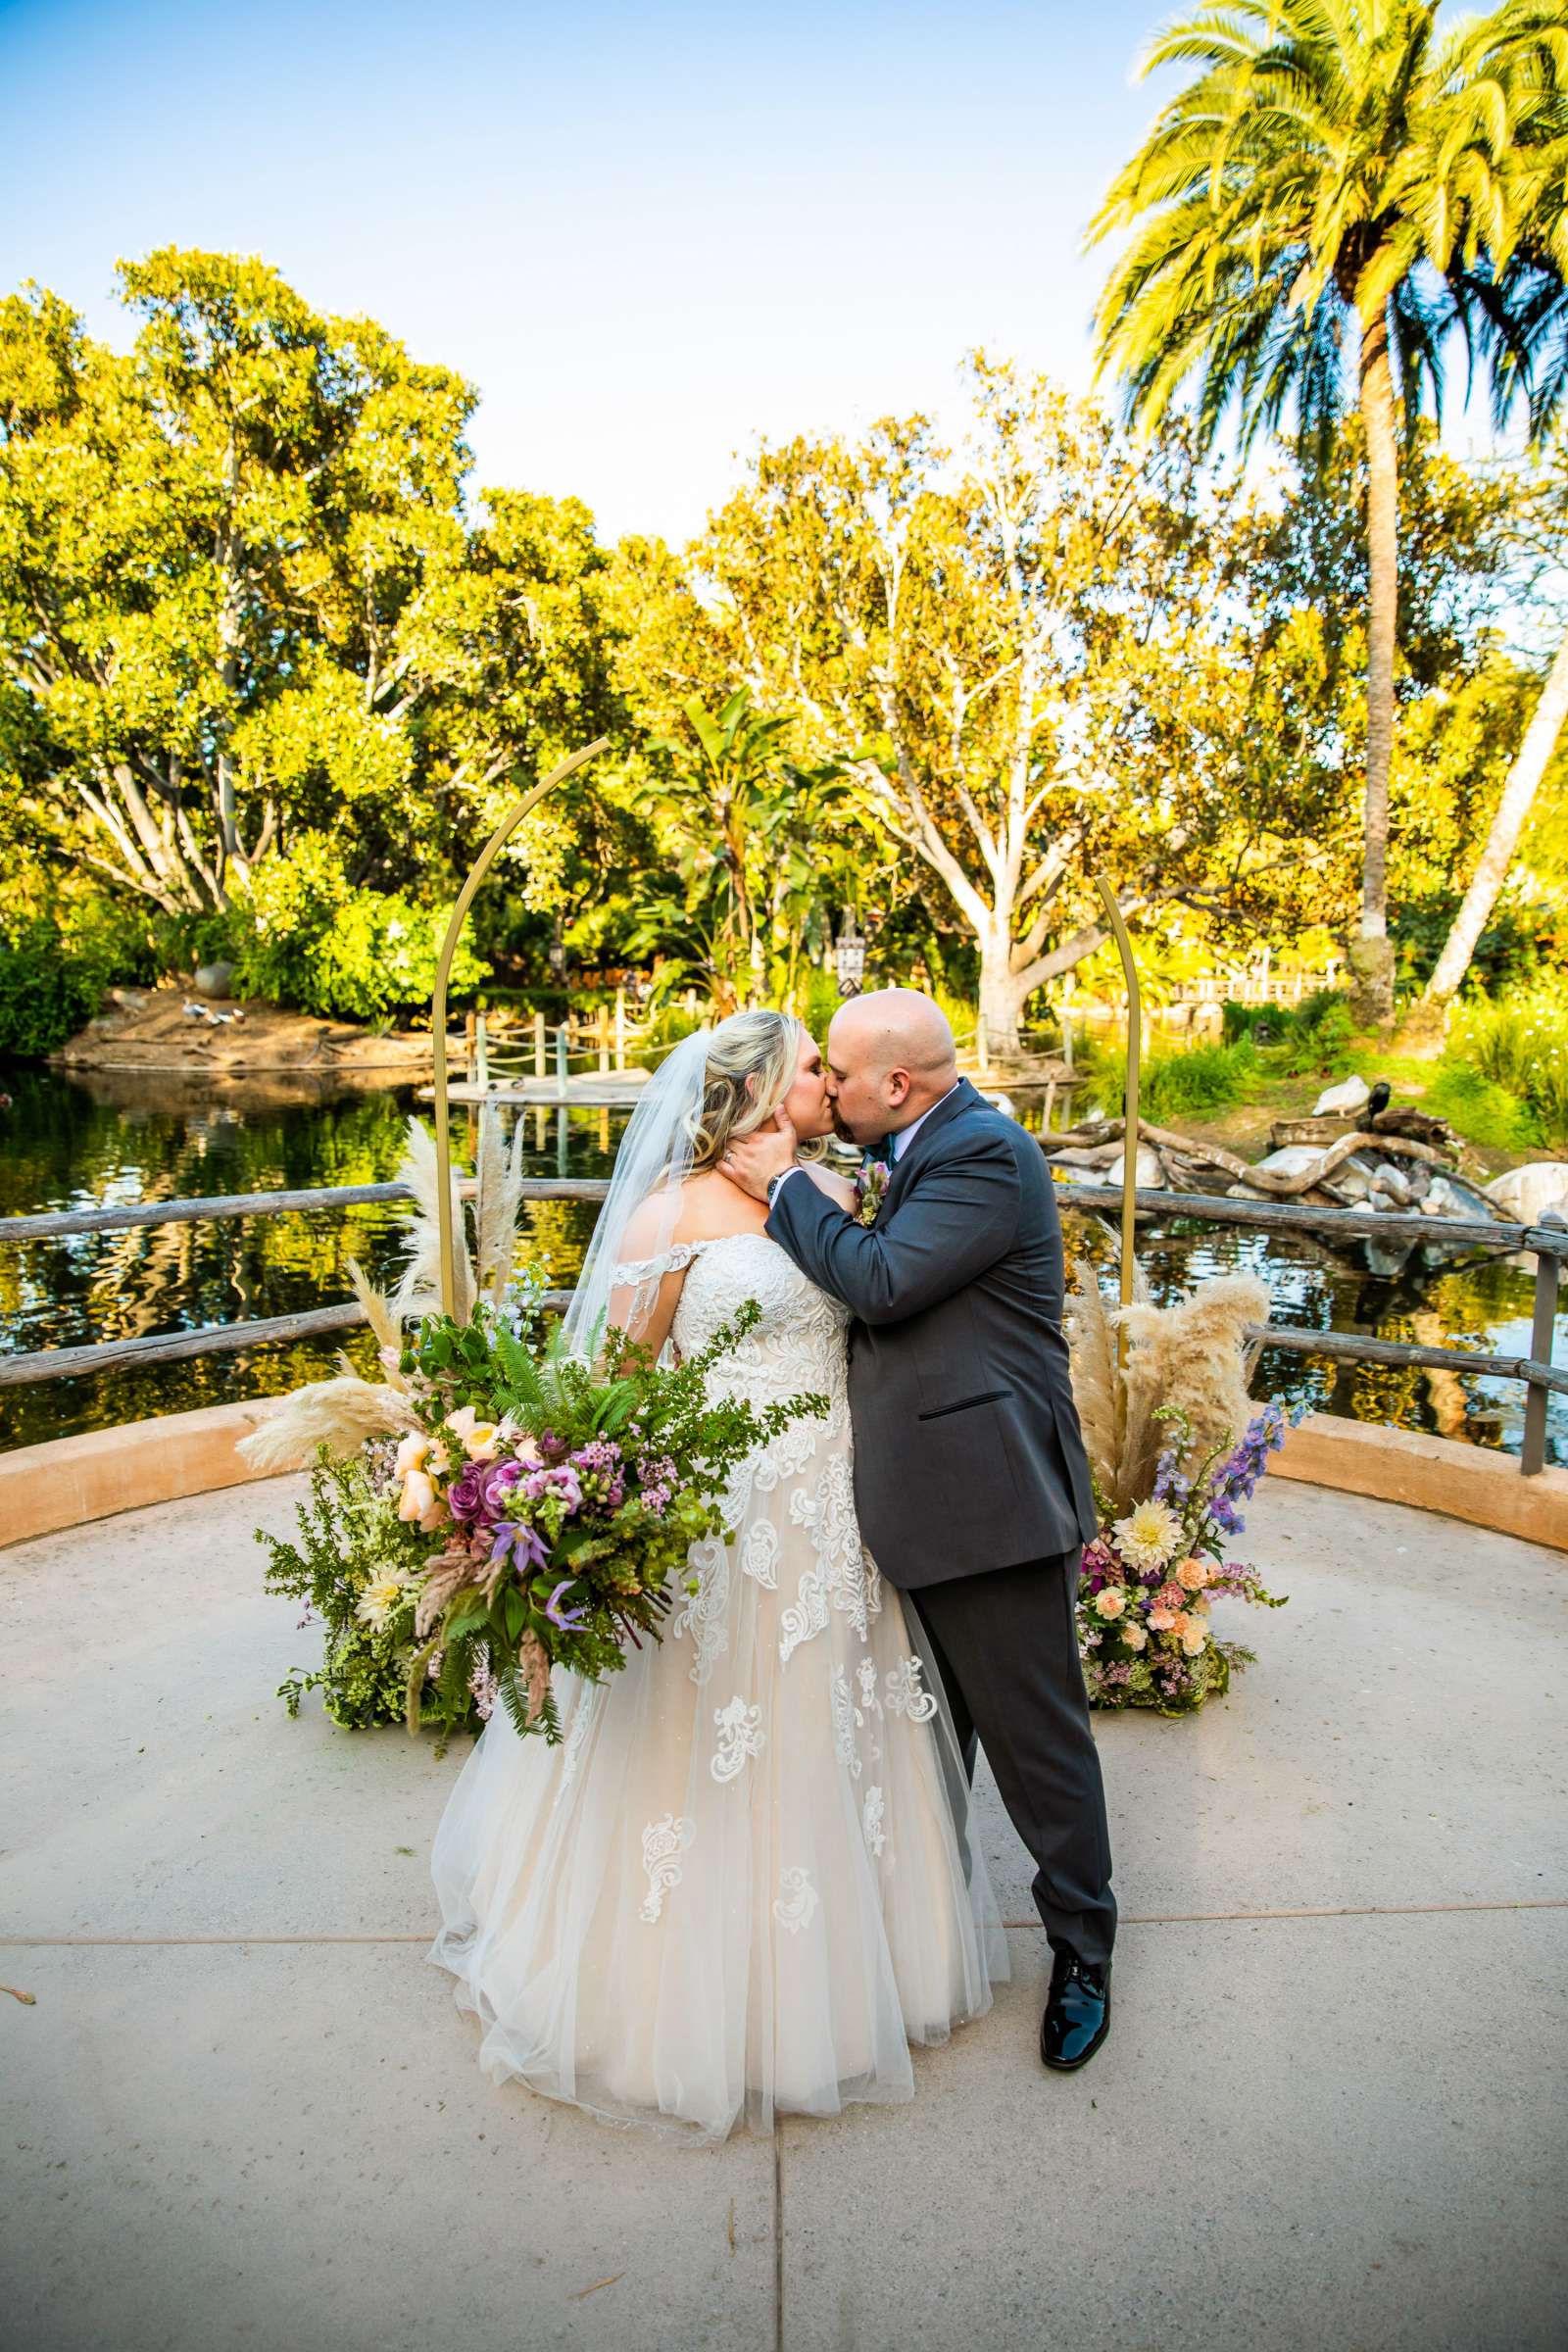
<point x="705" y="1208"/>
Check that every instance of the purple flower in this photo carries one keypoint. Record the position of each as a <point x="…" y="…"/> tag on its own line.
<point x="498" y="1480"/>
<point x="569" y="1620"/>
<point x="601" y="1473"/>
<point x="466" y="1497"/>
<point x="517" y="1539"/>
<point x="656" y="1476"/>
<point x="559" y="1484"/>
<point x="553" y="1449"/>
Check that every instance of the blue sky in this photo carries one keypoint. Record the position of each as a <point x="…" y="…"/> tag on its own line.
<point x="647" y="233"/>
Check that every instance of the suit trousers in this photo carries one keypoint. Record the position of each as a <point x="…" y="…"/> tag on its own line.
<point x="1006" y="1647"/>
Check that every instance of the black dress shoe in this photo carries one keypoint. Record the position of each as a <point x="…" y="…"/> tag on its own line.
<point x="1077" y="2015"/>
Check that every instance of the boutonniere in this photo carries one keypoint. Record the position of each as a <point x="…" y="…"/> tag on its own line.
<point x="870" y="1189"/>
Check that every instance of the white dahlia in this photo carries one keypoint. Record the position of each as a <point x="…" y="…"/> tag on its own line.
<point x="1150" y="1535"/>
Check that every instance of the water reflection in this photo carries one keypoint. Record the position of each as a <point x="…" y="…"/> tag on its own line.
<point x="132" y="1136"/>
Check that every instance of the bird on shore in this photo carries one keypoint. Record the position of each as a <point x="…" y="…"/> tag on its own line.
<point x="1378" y="1099"/>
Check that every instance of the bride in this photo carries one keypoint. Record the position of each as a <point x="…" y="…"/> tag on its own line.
<point x="743" y="1884"/>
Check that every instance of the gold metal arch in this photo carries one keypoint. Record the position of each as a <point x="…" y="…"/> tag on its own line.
<point x="438" y="1005"/>
<point x="1128" y="1139"/>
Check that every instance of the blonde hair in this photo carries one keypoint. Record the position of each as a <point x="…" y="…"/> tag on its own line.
<point x="752" y="1062"/>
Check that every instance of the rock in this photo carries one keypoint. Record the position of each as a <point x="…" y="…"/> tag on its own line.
<point x="1524" y="1195"/>
<point x="1393" y="1187"/>
<point x="1346" y="1099"/>
<point x="214" y="979"/>
<point x="1149" y="1176"/>
<point x="1292" y="1159"/>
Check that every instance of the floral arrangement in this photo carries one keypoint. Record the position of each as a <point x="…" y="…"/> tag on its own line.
<point x="870" y="1189"/>
<point x="498" y="1505"/>
<point x="1149" y="1577"/>
<point x="1176" y="1447"/>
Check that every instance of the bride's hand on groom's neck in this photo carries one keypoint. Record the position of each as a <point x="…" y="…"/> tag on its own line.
<point x="754" y="1161"/>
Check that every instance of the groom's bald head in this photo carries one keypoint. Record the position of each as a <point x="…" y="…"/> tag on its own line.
<point x="891" y="1056"/>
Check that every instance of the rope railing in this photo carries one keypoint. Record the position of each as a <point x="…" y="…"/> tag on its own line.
<point x="1547" y="1242"/>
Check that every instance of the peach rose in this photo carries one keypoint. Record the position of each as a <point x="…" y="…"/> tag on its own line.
<point x="412" y="1452"/>
<point x="1134" y="1636"/>
<point x="1192" y="1574"/>
<point x="1160" y="1621"/>
<point x="1111" y="1602"/>
<point x="479" y="1438"/>
<point x="420" y="1503"/>
<point x="1194" y="1639"/>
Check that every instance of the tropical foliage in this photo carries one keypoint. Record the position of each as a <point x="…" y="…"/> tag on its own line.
<point x="1334" y="193"/>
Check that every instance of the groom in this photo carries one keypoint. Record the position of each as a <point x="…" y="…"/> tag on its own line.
<point x="970" y="1478"/>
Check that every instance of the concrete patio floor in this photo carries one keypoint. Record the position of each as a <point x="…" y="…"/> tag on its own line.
<point x="244" y="2111"/>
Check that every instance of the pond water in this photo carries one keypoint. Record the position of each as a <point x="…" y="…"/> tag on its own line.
<point x="127" y="1135"/>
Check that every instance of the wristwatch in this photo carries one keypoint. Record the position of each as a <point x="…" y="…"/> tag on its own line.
<point x="773" y="1184"/>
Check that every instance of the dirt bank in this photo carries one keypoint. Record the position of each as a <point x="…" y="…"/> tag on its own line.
<point x="153" y="1029"/>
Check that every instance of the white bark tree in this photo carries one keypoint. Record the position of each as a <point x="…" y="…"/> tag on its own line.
<point x="1001" y="645"/>
<point x="1519" y="790"/>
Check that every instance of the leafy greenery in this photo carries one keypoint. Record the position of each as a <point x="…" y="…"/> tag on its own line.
<point x="302" y="935"/>
<point x="1177" y="1082"/>
<point x="344" y="1537"/>
<point x="1519" y="1043"/>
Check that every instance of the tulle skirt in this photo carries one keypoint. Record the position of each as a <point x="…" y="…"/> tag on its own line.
<point x="743" y="1884"/>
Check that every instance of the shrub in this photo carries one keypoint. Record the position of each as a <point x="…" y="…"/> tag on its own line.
<point x="46" y="991"/>
<point x="55" y="969"/>
<point x="1175" y="1085"/>
<point x="1478" y="1107"/>
<point x="1519" y="1042"/>
<point x="1317" y="1035"/>
<point x="304" y="936"/>
<point x="379" y="953"/>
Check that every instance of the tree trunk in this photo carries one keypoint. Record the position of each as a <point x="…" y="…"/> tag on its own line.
<point x="1518" y="792"/>
<point x="1371" y="956"/>
<point x="1002" y="997"/>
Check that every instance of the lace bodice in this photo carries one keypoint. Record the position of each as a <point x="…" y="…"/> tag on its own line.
<point x="799" y="1343"/>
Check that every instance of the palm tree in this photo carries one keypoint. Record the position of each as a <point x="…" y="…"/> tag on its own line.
<point x="1312" y="214"/>
<point x="1531" y="300"/>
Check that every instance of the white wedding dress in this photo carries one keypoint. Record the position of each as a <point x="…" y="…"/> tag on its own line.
<point x="742" y="1883"/>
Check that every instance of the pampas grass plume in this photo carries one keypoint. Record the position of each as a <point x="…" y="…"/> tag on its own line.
<point x="340" y="1414"/>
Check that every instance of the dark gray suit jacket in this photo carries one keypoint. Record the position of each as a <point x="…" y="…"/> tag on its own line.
<point x="967" y="1451"/>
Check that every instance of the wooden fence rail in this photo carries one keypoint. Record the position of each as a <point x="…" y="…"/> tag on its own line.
<point x="1548" y="1242"/>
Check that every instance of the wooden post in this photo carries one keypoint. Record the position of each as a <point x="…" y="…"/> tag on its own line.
<point x="541" y="1068"/>
<point x="438" y="1005"/>
<point x="563" y="1062"/>
<point x="1129" y="1141"/>
<point x="602" y="1037"/>
<point x="620" y="1028"/>
<point x="482" y="1055"/>
<point x="469" y="1033"/>
<point x="1543" y="1332"/>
